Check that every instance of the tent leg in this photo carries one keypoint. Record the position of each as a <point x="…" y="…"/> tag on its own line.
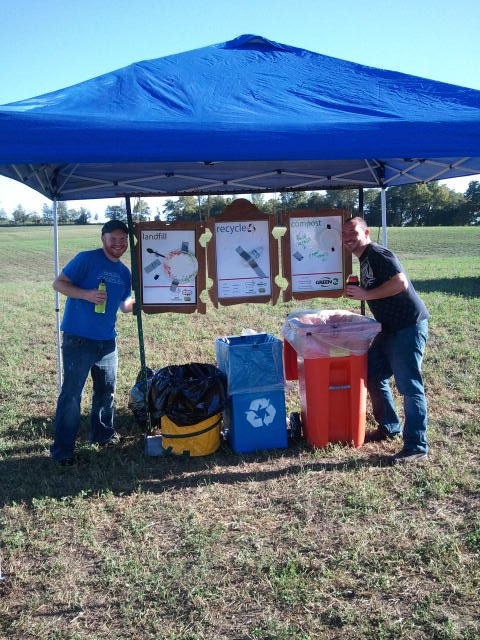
<point x="383" y="197"/>
<point x="136" y="288"/>
<point x="361" y="214"/>
<point x="57" y="297"/>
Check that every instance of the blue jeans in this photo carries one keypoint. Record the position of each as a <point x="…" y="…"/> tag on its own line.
<point x="400" y="354"/>
<point x="82" y="356"/>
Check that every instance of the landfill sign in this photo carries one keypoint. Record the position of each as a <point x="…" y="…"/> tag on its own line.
<point x="169" y="266"/>
<point x="260" y="413"/>
<point x="243" y="258"/>
<point x="316" y="253"/>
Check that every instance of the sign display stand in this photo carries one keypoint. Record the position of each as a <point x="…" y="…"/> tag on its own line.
<point x="242" y="256"/>
<point x="313" y="259"/>
<point x="172" y="270"/>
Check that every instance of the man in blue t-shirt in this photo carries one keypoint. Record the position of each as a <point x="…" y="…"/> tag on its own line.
<point x="398" y="349"/>
<point x="89" y="339"/>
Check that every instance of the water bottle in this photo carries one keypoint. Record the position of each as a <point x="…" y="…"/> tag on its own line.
<point x="100" y="308"/>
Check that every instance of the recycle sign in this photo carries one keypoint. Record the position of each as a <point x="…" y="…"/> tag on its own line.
<point x="260" y="412"/>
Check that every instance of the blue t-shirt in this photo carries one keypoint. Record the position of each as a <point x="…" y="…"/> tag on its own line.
<point x="86" y="270"/>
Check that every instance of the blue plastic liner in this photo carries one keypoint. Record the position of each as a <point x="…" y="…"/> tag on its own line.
<point x="251" y="363"/>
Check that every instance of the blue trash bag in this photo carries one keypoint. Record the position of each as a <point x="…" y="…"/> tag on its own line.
<point x="251" y="363"/>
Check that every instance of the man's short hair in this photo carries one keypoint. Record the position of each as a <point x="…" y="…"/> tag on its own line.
<point x="114" y="225"/>
<point x="361" y="222"/>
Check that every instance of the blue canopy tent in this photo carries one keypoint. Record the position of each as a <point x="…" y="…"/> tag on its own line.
<point x="249" y="115"/>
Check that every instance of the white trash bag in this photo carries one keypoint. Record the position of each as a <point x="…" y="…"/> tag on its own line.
<point x="326" y="334"/>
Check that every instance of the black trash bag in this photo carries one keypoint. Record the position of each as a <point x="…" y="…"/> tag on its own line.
<point x="187" y="393"/>
<point x="136" y="401"/>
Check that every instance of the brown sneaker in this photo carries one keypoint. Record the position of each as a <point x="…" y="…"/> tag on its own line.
<point x="379" y="435"/>
<point x="112" y="441"/>
<point x="402" y="457"/>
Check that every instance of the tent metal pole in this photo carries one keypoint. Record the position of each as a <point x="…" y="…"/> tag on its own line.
<point x="138" y="312"/>
<point x="57" y="296"/>
<point x="362" y="214"/>
<point x="383" y="197"/>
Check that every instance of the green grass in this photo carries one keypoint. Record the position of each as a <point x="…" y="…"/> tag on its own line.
<point x="293" y="544"/>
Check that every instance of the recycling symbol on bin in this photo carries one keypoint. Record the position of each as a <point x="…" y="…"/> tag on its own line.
<point x="260" y="412"/>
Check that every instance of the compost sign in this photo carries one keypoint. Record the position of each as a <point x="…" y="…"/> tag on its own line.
<point x="313" y="256"/>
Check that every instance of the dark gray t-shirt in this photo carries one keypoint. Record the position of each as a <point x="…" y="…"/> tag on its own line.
<point x="378" y="265"/>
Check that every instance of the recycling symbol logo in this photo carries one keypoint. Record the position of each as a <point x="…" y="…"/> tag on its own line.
<point x="260" y="413"/>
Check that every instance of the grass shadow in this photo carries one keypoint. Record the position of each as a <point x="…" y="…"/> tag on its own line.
<point x="464" y="287"/>
<point x="29" y="474"/>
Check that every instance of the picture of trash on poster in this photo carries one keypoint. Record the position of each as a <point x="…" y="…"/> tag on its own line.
<point x="316" y="253"/>
<point x="243" y="258"/>
<point x="169" y="266"/>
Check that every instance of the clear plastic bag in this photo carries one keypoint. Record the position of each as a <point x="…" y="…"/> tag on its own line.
<point x="326" y="334"/>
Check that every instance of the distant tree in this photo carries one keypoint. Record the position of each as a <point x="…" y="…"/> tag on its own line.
<point x="317" y="200"/>
<point x="141" y="211"/>
<point x="342" y="199"/>
<point x="258" y="199"/>
<point x="184" y="208"/>
<point x="446" y="206"/>
<point x="270" y="207"/>
<point x="63" y="217"/>
<point x="19" y="215"/>
<point x="293" y="200"/>
<point x="4" y="219"/>
<point x="417" y="205"/>
<point x="214" y="205"/>
<point x="82" y="216"/>
<point x="116" y="212"/>
<point x="472" y="203"/>
<point x="372" y="207"/>
<point x="197" y="208"/>
<point x="35" y="218"/>
<point x="47" y="214"/>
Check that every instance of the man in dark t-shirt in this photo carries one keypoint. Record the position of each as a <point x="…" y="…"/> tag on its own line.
<point x="398" y="349"/>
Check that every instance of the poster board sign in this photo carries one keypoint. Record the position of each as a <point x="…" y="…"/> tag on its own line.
<point x="314" y="261"/>
<point x="171" y="266"/>
<point x="242" y="256"/>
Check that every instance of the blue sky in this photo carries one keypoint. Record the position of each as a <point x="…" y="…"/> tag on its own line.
<point x="49" y="44"/>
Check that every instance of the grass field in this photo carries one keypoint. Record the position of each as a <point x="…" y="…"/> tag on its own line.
<point x="294" y="544"/>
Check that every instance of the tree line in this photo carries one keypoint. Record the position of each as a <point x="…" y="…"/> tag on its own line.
<point x="414" y="205"/>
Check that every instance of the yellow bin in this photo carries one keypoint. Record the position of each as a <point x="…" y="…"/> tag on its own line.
<point x="199" y="439"/>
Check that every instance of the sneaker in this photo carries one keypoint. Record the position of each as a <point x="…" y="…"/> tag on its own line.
<point x="112" y="441"/>
<point x="403" y="457"/>
<point x="379" y="435"/>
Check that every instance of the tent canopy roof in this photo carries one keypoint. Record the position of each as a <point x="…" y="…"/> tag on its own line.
<point x="244" y="116"/>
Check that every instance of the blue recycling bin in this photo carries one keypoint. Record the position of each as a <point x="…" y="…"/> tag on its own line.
<point x="255" y="415"/>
